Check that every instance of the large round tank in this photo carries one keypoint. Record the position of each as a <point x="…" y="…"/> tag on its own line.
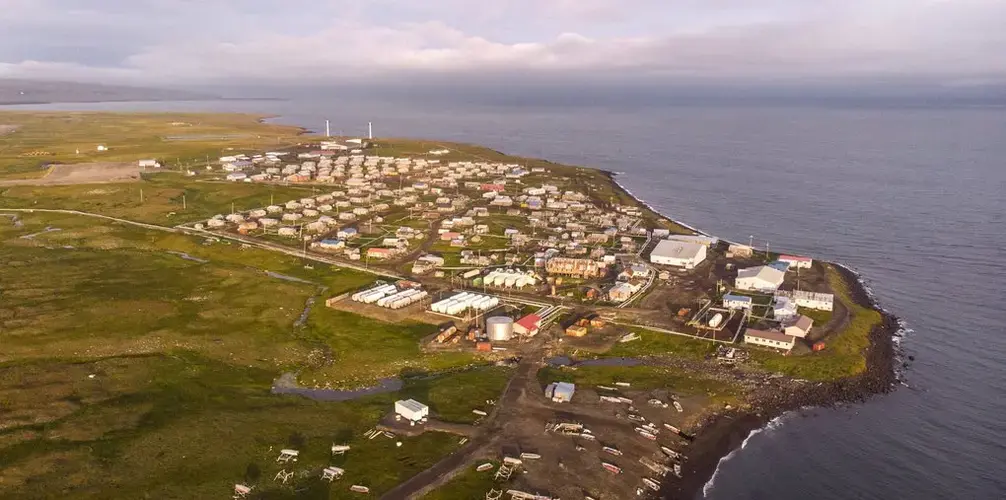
<point x="499" y="328"/>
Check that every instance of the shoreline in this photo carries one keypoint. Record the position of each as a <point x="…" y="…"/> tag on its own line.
<point x="726" y="433"/>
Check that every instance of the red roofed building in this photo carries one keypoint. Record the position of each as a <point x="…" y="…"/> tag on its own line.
<point x="796" y="261"/>
<point x="499" y="188"/>
<point x="449" y="235"/>
<point x="528" y="325"/>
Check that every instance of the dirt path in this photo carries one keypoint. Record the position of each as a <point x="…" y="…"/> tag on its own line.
<point x="84" y="173"/>
<point x="7" y="129"/>
<point x="444" y="470"/>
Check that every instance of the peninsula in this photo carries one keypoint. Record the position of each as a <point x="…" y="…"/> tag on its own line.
<point x="204" y="306"/>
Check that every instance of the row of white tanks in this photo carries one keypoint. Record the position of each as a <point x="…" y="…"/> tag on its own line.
<point x="510" y="279"/>
<point x="389" y="296"/>
<point x="465" y="300"/>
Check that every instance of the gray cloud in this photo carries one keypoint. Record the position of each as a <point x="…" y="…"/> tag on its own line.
<point x="948" y="42"/>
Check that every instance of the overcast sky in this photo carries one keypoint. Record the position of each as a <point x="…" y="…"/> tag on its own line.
<point x="191" y="42"/>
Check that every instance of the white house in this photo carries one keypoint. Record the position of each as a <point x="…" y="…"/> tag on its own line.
<point x="776" y="340"/>
<point x="412" y="410"/>
<point x="796" y="261"/>
<point x="760" y="278"/>
<point x="811" y="300"/>
<point x="731" y="301"/>
<point x="680" y="254"/>
<point x="237" y="176"/>
<point x="783" y="308"/>
<point x="799" y="328"/>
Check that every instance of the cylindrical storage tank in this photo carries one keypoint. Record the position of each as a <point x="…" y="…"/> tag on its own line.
<point x="510" y="281"/>
<point x="716" y="320"/>
<point x="499" y="328"/>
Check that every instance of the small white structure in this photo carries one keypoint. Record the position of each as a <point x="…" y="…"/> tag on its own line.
<point x="412" y="410"/>
<point x="331" y="473"/>
<point x="101" y="147"/>
<point x="694" y="239"/>
<point x="287" y="455"/>
<point x="560" y="392"/>
<point x="759" y="278"/>
<point x="783" y="308"/>
<point x="148" y="164"/>
<point x="677" y="253"/>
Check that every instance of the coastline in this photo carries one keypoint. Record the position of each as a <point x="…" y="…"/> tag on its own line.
<point x="722" y="435"/>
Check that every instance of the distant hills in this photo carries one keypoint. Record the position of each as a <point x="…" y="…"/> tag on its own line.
<point x="17" y="91"/>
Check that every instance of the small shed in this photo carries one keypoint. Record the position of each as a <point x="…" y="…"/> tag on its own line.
<point x="576" y="331"/>
<point x="560" y="392"/>
<point x="411" y="409"/>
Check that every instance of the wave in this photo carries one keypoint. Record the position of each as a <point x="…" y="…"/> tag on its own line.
<point x="772" y="425"/>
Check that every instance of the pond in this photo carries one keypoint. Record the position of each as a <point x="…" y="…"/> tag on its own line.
<point x="287" y="384"/>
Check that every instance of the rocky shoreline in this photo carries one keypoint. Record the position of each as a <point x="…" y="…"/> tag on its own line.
<point x="725" y="432"/>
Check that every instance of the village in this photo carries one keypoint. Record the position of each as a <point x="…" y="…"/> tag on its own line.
<point x="523" y="263"/>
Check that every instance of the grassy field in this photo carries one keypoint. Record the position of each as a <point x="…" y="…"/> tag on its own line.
<point x="653" y="343"/>
<point x="844" y="355"/>
<point x="167" y="198"/>
<point x="469" y="485"/>
<point x="173" y="138"/>
<point x="130" y="372"/>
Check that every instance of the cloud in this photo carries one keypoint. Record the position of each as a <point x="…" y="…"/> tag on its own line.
<point x="312" y="42"/>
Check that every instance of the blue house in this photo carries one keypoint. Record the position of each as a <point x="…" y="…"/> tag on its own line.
<point x="731" y="301"/>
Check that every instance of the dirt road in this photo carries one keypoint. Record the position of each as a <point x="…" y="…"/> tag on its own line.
<point x="83" y="173"/>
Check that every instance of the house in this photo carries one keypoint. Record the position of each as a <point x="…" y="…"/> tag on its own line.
<point x="584" y="268"/>
<point x="329" y="244"/>
<point x="783" y="308"/>
<point x="237" y="176"/>
<point x="560" y="392"/>
<point x="796" y="262"/>
<point x="799" y="328"/>
<point x="759" y="278"/>
<point x="811" y="300"/>
<point x="347" y="233"/>
<point x="775" y="340"/>
<point x="449" y="236"/>
<point x="380" y="253"/>
<point x="735" y="250"/>
<point x="528" y="325"/>
<point x="731" y="301"/>
<point x="621" y="292"/>
<point x="412" y="410"/>
<point x="680" y="254"/>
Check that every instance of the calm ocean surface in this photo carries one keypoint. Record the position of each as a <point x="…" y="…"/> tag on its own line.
<point x="911" y="198"/>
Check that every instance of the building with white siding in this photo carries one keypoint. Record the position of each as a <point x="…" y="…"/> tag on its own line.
<point x="679" y="254"/>
<point x="759" y="278"/>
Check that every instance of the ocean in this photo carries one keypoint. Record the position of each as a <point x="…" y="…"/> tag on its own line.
<point x="911" y="198"/>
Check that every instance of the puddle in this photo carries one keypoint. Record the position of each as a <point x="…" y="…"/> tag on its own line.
<point x="287" y="384"/>
<point x="566" y="361"/>
<point x="189" y="257"/>
<point x="288" y="278"/>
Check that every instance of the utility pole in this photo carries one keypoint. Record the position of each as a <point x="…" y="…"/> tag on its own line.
<point x="232" y="207"/>
<point x="184" y="204"/>
<point x="141" y="195"/>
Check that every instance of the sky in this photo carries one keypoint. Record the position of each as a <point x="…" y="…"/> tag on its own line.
<point x="949" y="43"/>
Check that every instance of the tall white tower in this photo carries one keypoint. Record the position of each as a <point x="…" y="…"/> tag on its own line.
<point x="370" y="130"/>
<point x="328" y="131"/>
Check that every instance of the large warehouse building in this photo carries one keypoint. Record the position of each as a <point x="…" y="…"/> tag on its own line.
<point x="677" y="253"/>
